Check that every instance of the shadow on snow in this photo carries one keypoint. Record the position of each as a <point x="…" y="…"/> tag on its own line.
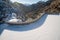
<point x="26" y="27"/>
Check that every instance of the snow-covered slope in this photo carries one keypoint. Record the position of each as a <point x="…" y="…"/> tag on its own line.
<point x="49" y="30"/>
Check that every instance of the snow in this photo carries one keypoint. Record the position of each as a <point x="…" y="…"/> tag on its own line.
<point x="46" y="28"/>
<point x="15" y="20"/>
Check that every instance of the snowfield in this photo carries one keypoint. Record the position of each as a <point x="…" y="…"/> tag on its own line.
<point x="46" y="28"/>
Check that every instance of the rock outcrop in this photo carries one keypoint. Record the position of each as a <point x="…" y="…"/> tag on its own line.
<point x="54" y="7"/>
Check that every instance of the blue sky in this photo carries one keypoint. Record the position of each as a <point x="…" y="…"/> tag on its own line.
<point x="27" y="1"/>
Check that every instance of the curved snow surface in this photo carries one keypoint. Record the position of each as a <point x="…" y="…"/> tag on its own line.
<point x="49" y="30"/>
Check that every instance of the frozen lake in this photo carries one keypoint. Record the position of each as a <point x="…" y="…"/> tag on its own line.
<point x="46" y="28"/>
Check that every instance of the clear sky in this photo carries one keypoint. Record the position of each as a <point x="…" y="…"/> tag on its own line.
<point x="27" y="1"/>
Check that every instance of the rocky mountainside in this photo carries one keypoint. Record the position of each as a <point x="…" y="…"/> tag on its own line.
<point x="54" y="7"/>
<point x="5" y="9"/>
<point x="50" y="7"/>
<point x="25" y="12"/>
